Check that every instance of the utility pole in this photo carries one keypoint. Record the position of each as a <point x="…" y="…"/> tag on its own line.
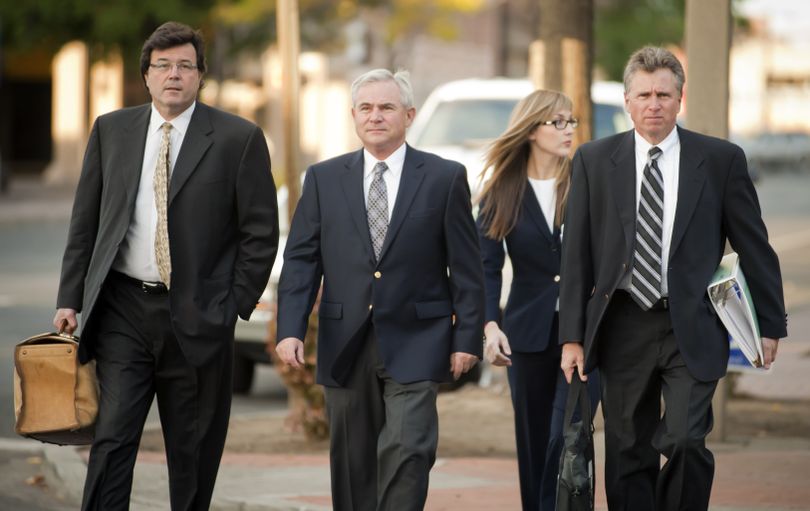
<point x="287" y="25"/>
<point x="562" y="58"/>
<point x="708" y="43"/>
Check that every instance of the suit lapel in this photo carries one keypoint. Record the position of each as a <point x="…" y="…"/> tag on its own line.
<point x="195" y="144"/>
<point x="535" y="212"/>
<point x="623" y="184"/>
<point x="412" y="175"/>
<point x="132" y="144"/>
<point x="352" y="181"/>
<point x="690" y="183"/>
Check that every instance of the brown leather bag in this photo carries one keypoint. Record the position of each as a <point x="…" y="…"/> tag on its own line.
<point x="55" y="397"/>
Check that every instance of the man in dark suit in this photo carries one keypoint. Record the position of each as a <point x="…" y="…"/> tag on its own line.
<point x="173" y="233"/>
<point x="648" y="217"/>
<point x="389" y="230"/>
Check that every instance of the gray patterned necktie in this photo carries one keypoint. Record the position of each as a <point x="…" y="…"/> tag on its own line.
<point x="161" y="188"/>
<point x="377" y="209"/>
<point x="645" y="283"/>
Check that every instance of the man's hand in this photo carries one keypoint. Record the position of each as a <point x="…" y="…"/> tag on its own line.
<point x="461" y="362"/>
<point x="573" y="357"/>
<point x="769" y="347"/>
<point x="291" y="351"/>
<point x="496" y="347"/>
<point x="65" y="321"/>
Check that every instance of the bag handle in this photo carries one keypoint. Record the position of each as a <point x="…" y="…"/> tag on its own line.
<point x="577" y="392"/>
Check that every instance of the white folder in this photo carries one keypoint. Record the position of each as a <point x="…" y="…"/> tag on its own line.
<point x="729" y="294"/>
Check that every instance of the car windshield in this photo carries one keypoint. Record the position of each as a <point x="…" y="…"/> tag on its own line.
<point x="608" y="119"/>
<point x="463" y="121"/>
<point x="467" y="121"/>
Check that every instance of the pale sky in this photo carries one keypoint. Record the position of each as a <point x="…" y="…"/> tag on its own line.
<point x="788" y="19"/>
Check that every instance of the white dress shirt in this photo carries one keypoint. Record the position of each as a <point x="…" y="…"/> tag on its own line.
<point x="391" y="176"/>
<point x="546" y="195"/>
<point x="669" y="163"/>
<point x="136" y="255"/>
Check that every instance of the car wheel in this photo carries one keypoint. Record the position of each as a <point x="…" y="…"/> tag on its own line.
<point x="243" y="370"/>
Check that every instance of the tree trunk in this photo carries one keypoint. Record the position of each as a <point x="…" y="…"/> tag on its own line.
<point x="562" y="57"/>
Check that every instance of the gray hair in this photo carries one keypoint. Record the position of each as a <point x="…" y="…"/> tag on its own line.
<point x="401" y="78"/>
<point x="650" y="59"/>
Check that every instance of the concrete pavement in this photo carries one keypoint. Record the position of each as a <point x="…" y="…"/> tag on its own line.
<point x="751" y="475"/>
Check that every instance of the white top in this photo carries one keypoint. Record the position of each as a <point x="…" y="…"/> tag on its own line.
<point x="546" y="196"/>
<point x="136" y="255"/>
<point x="391" y="176"/>
<point x="669" y="163"/>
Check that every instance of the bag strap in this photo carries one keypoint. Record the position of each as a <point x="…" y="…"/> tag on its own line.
<point x="577" y="392"/>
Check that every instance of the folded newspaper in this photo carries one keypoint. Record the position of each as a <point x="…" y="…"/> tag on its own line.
<point x="729" y="294"/>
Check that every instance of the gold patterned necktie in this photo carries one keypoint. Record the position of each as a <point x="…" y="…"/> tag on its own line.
<point x="161" y="187"/>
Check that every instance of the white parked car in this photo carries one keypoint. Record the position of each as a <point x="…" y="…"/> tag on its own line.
<point x="459" y="118"/>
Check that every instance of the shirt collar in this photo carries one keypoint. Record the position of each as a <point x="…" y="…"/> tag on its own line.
<point x="395" y="161"/>
<point x="180" y="123"/>
<point x="666" y="146"/>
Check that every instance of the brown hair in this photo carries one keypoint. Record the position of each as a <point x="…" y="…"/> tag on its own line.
<point x="508" y="156"/>
<point x="170" y="35"/>
<point x="651" y="59"/>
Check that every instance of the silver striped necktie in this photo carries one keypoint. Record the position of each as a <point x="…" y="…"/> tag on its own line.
<point x="377" y="209"/>
<point x="645" y="283"/>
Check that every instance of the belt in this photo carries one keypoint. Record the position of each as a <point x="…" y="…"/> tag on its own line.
<point x="151" y="288"/>
<point x="661" y="305"/>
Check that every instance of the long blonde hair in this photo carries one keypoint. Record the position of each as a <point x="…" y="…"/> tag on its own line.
<point x="508" y="157"/>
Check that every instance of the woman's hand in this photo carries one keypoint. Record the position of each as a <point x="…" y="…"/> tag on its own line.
<point x="496" y="346"/>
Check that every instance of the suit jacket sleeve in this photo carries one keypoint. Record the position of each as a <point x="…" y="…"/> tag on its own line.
<point x="748" y="236"/>
<point x="466" y="271"/>
<point x="493" y="256"/>
<point x="302" y="270"/>
<point x="257" y="217"/>
<point x="576" y="268"/>
<point x="83" y="226"/>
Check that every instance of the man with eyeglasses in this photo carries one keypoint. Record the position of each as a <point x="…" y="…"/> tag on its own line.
<point x="173" y="233"/>
<point x="649" y="214"/>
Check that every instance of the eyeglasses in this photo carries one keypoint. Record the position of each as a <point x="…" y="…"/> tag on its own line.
<point x="560" y="124"/>
<point x="183" y="67"/>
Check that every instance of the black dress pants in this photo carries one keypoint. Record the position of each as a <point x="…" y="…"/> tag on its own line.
<point x="138" y="357"/>
<point x="533" y="382"/>
<point x="639" y="361"/>
<point x="383" y="437"/>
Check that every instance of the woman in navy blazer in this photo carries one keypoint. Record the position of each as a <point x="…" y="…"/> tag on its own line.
<point x="521" y="214"/>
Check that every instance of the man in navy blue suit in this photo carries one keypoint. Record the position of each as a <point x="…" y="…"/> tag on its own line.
<point x="390" y="232"/>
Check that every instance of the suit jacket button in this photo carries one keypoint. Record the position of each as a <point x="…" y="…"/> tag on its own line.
<point x="556" y="278"/>
<point x="377" y="274"/>
<point x="607" y="296"/>
<point x="369" y="306"/>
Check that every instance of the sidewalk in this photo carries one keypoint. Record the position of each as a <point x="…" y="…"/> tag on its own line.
<point x="750" y="476"/>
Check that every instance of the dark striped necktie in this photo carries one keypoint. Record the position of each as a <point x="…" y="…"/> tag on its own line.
<point x="645" y="283"/>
